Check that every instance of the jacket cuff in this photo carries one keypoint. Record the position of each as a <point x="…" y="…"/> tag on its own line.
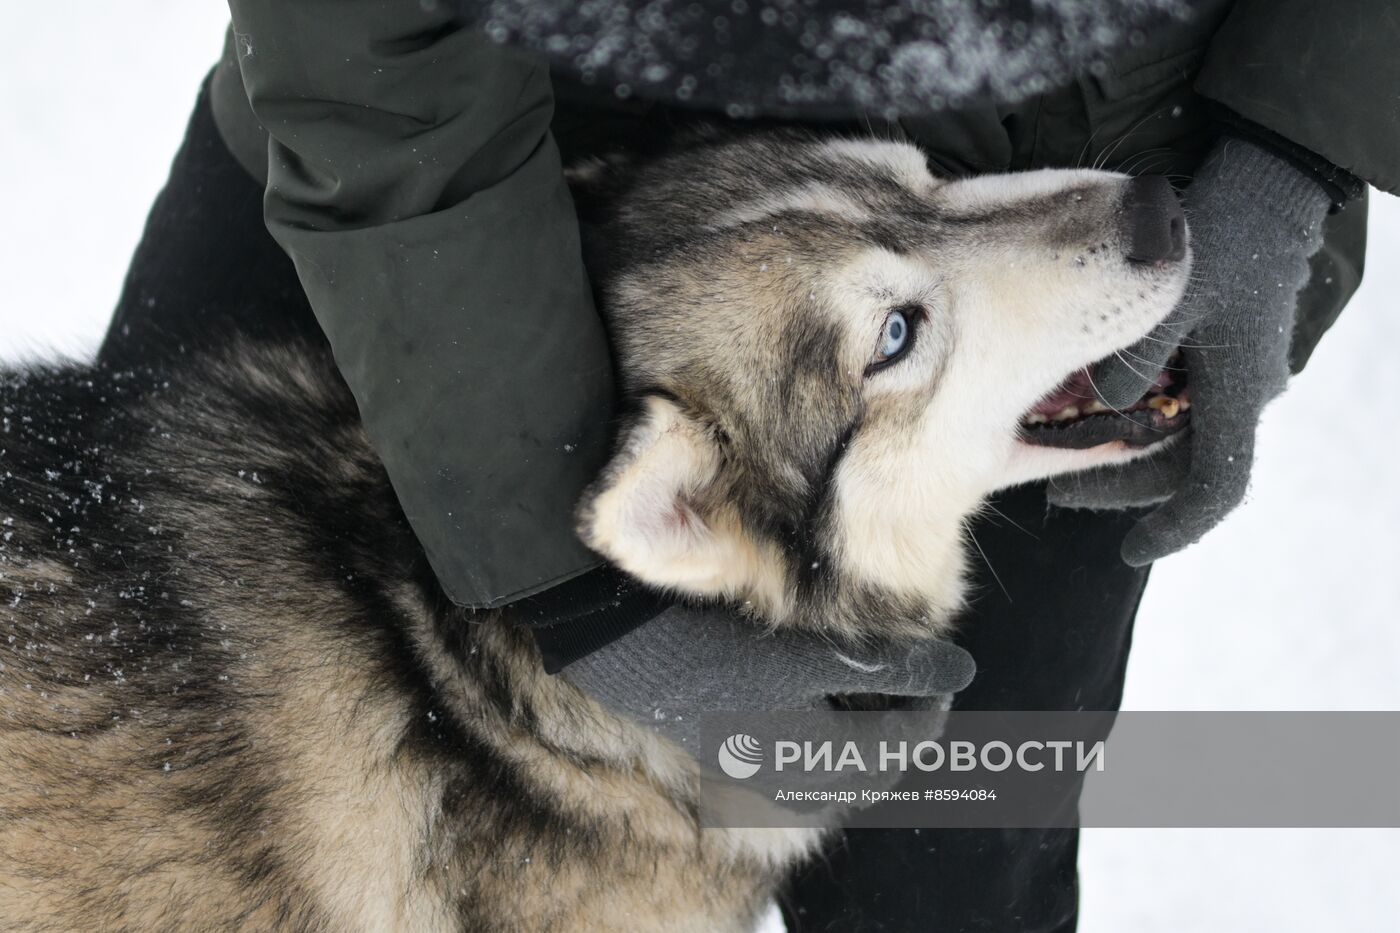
<point x="1341" y="186"/>
<point x="576" y="618"/>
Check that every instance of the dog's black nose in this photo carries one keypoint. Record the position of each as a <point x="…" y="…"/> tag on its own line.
<point x="1154" y="228"/>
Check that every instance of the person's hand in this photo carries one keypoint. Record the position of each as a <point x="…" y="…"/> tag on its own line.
<point x="686" y="662"/>
<point x="1255" y="222"/>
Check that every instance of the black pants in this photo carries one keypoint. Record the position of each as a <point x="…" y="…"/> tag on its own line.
<point x="206" y="267"/>
<point x="1052" y="634"/>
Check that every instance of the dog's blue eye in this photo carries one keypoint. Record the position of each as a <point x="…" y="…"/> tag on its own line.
<point x="894" y="337"/>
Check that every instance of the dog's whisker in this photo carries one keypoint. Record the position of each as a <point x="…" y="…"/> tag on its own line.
<point x="1154" y="155"/>
<point x="990" y="569"/>
<point x="1084" y="151"/>
<point x="992" y="508"/>
<point x="1108" y="154"/>
<point x="1117" y="411"/>
<point x="1119" y="354"/>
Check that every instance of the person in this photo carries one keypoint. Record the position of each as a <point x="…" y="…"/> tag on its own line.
<point x="388" y="177"/>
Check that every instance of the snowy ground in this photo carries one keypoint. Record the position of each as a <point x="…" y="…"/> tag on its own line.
<point x="1290" y="605"/>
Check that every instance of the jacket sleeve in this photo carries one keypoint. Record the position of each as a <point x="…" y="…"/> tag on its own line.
<point x="1324" y="75"/>
<point x="414" y="183"/>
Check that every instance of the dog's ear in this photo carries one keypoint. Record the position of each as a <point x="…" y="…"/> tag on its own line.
<point x="648" y="511"/>
<point x="591" y="172"/>
<point x="595" y="183"/>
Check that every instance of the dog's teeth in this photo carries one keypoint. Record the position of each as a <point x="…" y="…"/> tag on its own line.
<point x="1167" y="405"/>
<point x="1036" y="417"/>
<point x="1094" y="407"/>
<point x="1068" y="413"/>
<point x="1185" y="404"/>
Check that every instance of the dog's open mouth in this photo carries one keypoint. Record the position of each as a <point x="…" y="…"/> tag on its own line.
<point x="1072" y="416"/>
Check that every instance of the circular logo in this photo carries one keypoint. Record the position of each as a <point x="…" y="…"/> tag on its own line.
<point x="740" y="756"/>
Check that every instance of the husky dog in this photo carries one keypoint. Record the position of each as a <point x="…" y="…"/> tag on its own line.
<point x="232" y="695"/>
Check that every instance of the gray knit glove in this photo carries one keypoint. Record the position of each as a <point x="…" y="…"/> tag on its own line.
<point x="688" y="661"/>
<point x="1255" y="222"/>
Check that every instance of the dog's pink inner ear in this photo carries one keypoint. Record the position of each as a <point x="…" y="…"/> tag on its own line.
<point x="641" y="513"/>
<point x="682" y="518"/>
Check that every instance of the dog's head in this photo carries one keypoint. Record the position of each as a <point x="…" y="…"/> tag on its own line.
<point x="835" y="356"/>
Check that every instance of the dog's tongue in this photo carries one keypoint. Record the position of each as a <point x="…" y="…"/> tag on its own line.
<point x="1073" y="391"/>
<point x="1078" y="389"/>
